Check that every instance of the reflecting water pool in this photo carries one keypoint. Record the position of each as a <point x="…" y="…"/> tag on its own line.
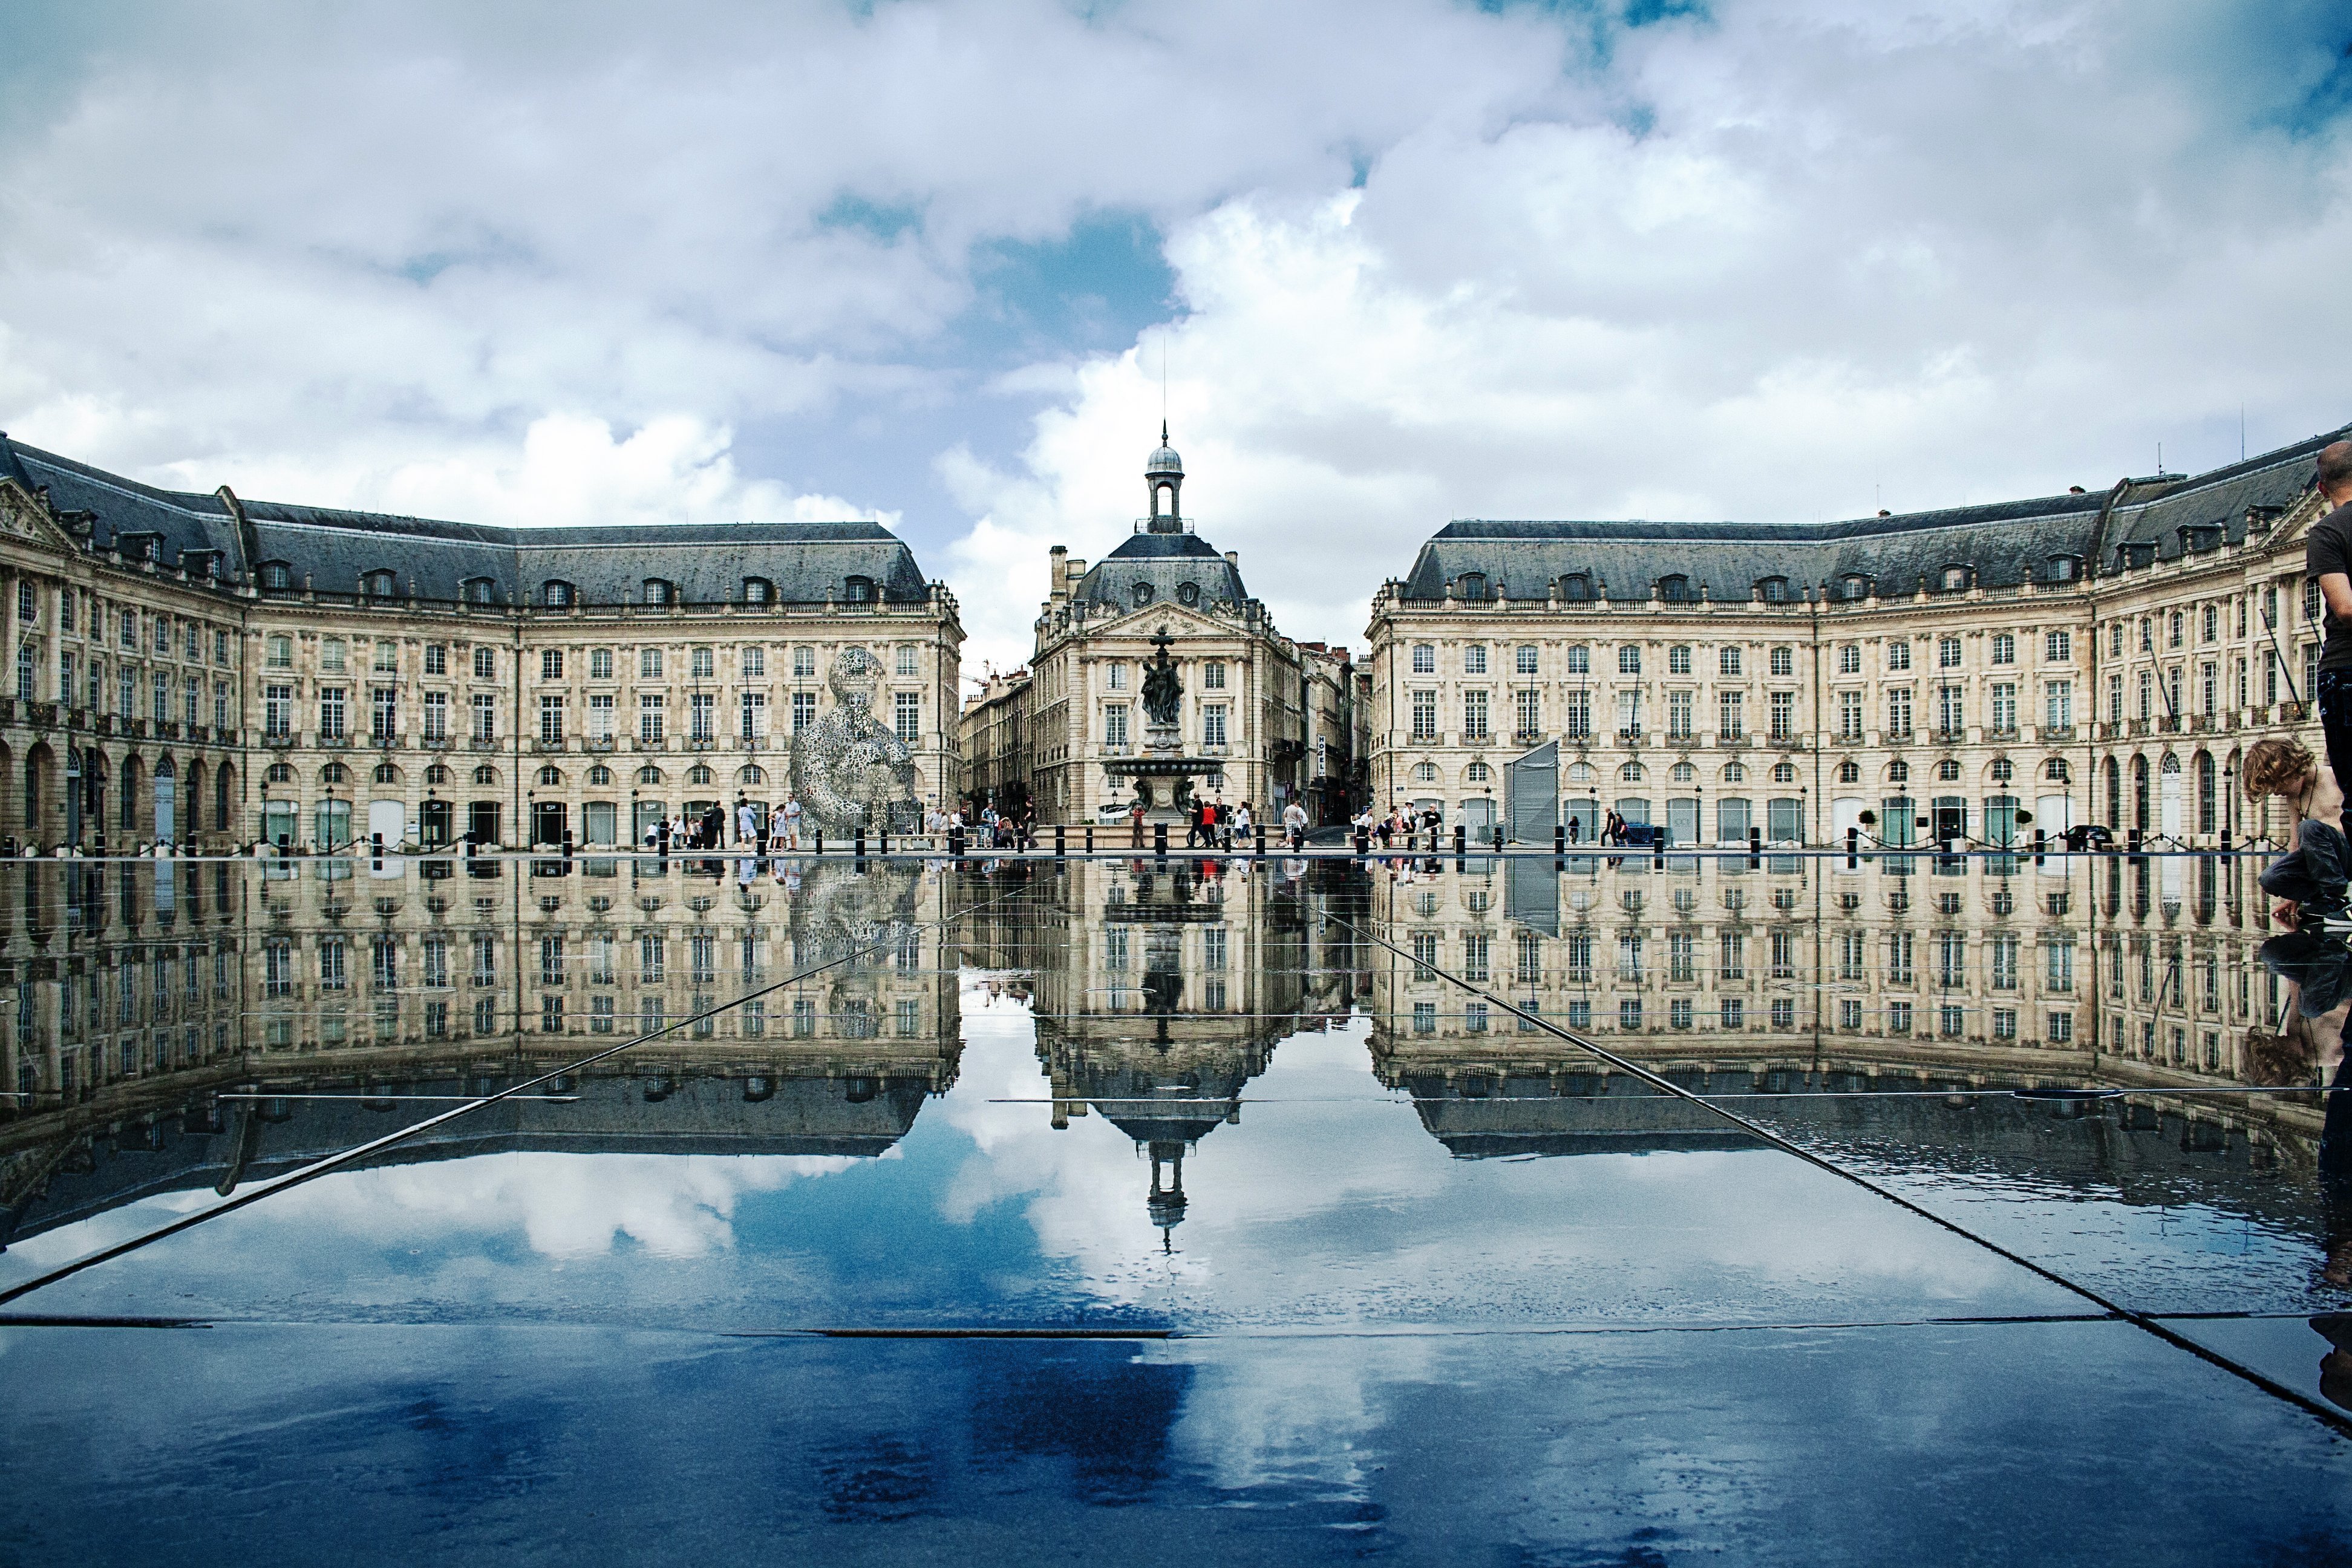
<point x="1512" y="1209"/>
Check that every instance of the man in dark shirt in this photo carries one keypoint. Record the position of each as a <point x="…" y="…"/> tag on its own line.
<point x="2327" y="556"/>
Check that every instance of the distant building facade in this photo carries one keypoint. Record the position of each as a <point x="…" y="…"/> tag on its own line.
<point x="1243" y="693"/>
<point x="2084" y="657"/>
<point x="202" y="669"/>
<point x="998" y="759"/>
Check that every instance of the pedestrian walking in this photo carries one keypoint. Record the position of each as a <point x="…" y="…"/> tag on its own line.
<point x="792" y="822"/>
<point x="1294" y="822"/>
<point x="1134" y="825"/>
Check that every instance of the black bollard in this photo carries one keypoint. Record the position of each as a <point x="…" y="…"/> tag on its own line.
<point x="1261" y="838"/>
<point x="1558" y="838"/>
<point x="885" y="843"/>
<point x="1852" y="843"/>
<point x="861" y="844"/>
<point x="819" y="840"/>
<point x="1090" y="839"/>
<point x="1061" y="843"/>
<point x="1160" y="839"/>
<point x="1363" y="841"/>
<point x="1755" y="848"/>
<point x="567" y="844"/>
<point x="955" y="843"/>
<point x="1461" y="839"/>
<point x="375" y="851"/>
<point x="2041" y="841"/>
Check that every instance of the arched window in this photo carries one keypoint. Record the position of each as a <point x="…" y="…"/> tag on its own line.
<point x="480" y="591"/>
<point x="1773" y="590"/>
<point x="279" y="772"/>
<point x="1477" y="772"/>
<point x="2061" y="569"/>
<point x="1682" y="772"/>
<point x="1631" y="773"/>
<point x="649" y="774"/>
<point x="1954" y="578"/>
<point x="1575" y="586"/>
<point x="2056" y="771"/>
<point x="1471" y="585"/>
<point x="333" y="772"/>
<point x="858" y="590"/>
<point x="381" y="584"/>
<point x="549" y="776"/>
<point x="1675" y="589"/>
<point x="2001" y="771"/>
<point x="1143" y="595"/>
<point x="436" y="774"/>
<point x="385" y="774"/>
<point x="1947" y="770"/>
<point x="2206" y="801"/>
<point x="2139" y="793"/>
<point x="1849" y="771"/>
<point x="1854" y="588"/>
<point x="1734" y="774"/>
<point x="758" y="591"/>
<point x="556" y="595"/>
<point x="1784" y="773"/>
<point x="1898" y="773"/>
<point x="656" y="591"/>
<point x="751" y="774"/>
<point x="599" y="775"/>
<point x="276" y="576"/>
<point x="698" y="774"/>
<point x="1424" y="773"/>
<point x="486" y="774"/>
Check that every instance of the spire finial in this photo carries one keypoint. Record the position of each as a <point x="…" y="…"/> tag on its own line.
<point x="1163" y="432"/>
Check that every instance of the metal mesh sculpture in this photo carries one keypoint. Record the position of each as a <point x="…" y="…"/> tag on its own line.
<point x="849" y="769"/>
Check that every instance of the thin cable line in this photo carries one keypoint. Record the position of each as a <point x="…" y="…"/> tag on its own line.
<point x="336" y="1162"/>
<point x="2333" y="1417"/>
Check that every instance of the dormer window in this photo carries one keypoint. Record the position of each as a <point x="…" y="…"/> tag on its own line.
<point x="658" y="592"/>
<point x="1854" y="588"/>
<point x="1954" y="578"/>
<point x="2061" y="569"/>
<point x="1773" y="590"/>
<point x="203" y="563"/>
<point x="2196" y="538"/>
<point x="276" y="575"/>
<point x="379" y="585"/>
<point x="2133" y="555"/>
<point x="1675" y="589"/>
<point x="1144" y="595"/>
<point x="1471" y="585"/>
<point x="758" y="591"/>
<point x="480" y="591"/>
<point x="556" y="595"/>
<point x="858" y="590"/>
<point x="1575" y="586"/>
<point x="1188" y="594"/>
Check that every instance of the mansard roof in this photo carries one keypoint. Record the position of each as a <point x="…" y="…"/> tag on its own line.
<point x="1167" y="562"/>
<point x="2000" y="543"/>
<point x="333" y="548"/>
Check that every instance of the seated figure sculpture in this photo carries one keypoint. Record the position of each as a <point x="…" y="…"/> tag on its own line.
<point x="849" y="769"/>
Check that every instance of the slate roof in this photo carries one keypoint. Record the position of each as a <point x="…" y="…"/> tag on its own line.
<point x="2002" y="542"/>
<point x="706" y="563"/>
<point x="1167" y="562"/>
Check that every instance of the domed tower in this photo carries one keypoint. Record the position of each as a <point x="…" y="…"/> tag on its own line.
<point x="1163" y="476"/>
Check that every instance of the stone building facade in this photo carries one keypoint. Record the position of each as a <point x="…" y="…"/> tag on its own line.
<point x="1243" y="693"/>
<point x="998" y="759"/>
<point x="201" y="669"/>
<point x="2084" y="657"/>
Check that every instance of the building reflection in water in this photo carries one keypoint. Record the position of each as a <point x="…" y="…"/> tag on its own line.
<point x="142" y="991"/>
<point x="1161" y="988"/>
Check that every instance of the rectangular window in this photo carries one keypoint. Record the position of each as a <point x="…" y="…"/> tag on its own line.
<point x="1947" y="653"/>
<point x="755" y="661"/>
<point x="330" y="712"/>
<point x="1849" y="659"/>
<point x="486" y="667"/>
<point x="1531" y="713"/>
<point x="2058" y="647"/>
<point x="649" y="664"/>
<point x="704" y="664"/>
<point x="755" y="715"/>
<point x="2004" y="705"/>
<point x="1678" y="660"/>
<point x="1951" y="716"/>
<point x="804" y="710"/>
<point x="331" y="976"/>
<point x="1424" y="658"/>
<point x="1629" y="713"/>
<point x="485" y="716"/>
<point x="1424" y="715"/>
<point x="1678" y="714"/>
<point x="1473" y="660"/>
<point x="2058" y="704"/>
<point x="1898" y="713"/>
<point x="277" y="710"/>
<point x="1118" y="677"/>
<point x="2062" y="1029"/>
<point x="702" y="715"/>
<point x="551" y="664"/>
<point x="1898" y="1018"/>
<point x="804" y="663"/>
<point x="1784" y="661"/>
<point x="550" y="720"/>
<point x="1629" y="660"/>
<point x="1578" y="717"/>
<point x="1727" y="660"/>
<point x="600" y="716"/>
<point x="1474" y="715"/>
<point x="437" y="715"/>
<point x="1898" y="654"/>
<point x="1849" y="715"/>
<point x="1784" y="715"/>
<point x="158" y="698"/>
<point x="906" y="716"/>
<point x="383" y="712"/>
<point x="2208" y="689"/>
<point x="220" y="704"/>
<point x="1213" y="724"/>
<point x="600" y="664"/>
<point x="2000" y="958"/>
<point x="1213" y="676"/>
<point x="1475" y="957"/>
<point x="1115" y="723"/>
<point x="1579" y="660"/>
<point x="649" y="716"/>
<point x="1527" y="658"/>
<point x="1730" y="715"/>
<point x="906" y="661"/>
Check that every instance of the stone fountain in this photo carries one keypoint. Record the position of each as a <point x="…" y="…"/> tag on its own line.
<point x="1163" y="756"/>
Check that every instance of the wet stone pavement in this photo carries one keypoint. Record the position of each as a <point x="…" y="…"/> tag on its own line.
<point x="1495" y="1210"/>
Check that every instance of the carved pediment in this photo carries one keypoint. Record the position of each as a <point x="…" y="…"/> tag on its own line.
<point x="25" y="518"/>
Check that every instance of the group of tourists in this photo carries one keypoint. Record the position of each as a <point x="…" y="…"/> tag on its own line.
<point x="756" y="828"/>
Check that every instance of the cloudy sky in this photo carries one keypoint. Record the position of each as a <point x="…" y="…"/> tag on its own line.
<point x="1400" y="260"/>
